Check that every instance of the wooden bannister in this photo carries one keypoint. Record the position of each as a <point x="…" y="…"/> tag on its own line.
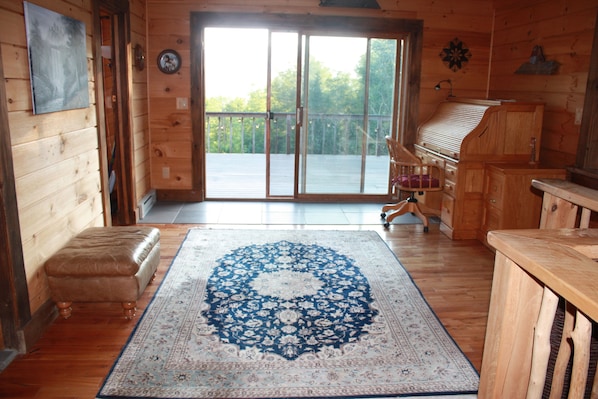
<point x="566" y="204"/>
<point x="534" y="269"/>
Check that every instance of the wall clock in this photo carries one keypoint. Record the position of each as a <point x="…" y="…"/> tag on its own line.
<point x="169" y="61"/>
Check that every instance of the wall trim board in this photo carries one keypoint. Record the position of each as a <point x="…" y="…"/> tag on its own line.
<point x="179" y="195"/>
<point x="41" y="320"/>
<point x="14" y="294"/>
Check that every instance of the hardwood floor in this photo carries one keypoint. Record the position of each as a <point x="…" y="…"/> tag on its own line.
<point x="74" y="355"/>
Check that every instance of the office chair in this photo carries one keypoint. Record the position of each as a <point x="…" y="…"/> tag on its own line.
<point x="409" y="174"/>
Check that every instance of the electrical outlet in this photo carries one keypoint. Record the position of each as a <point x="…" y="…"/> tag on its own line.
<point x="578" y="115"/>
<point x="182" y="103"/>
<point x="166" y="172"/>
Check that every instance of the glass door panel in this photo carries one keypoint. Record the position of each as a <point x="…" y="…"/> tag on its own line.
<point x="282" y="105"/>
<point x="344" y="120"/>
<point x="235" y="62"/>
<point x="381" y="106"/>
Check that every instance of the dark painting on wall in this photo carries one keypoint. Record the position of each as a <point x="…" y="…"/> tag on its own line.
<point x="57" y="60"/>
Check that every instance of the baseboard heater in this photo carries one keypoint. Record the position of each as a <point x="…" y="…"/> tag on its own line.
<point x="146" y="203"/>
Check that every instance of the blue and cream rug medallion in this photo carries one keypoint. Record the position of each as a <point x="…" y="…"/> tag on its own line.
<point x="288" y="314"/>
<point x="288" y="299"/>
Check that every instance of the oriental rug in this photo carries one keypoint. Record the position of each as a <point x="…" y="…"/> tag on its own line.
<point x="288" y="314"/>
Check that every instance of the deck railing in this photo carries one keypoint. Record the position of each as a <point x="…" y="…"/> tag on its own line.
<point x="332" y="134"/>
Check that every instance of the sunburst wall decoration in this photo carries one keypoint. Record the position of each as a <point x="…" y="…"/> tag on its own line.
<point x="455" y="55"/>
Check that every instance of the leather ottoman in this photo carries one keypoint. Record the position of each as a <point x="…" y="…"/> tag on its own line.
<point x="104" y="264"/>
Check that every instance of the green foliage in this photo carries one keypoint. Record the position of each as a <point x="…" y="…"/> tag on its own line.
<point x="382" y="76"/>
<point x="336" y="106"/>
<point x="284" y="92"/>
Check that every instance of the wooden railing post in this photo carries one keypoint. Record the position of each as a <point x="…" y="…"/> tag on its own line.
<point x="541" y="347"/>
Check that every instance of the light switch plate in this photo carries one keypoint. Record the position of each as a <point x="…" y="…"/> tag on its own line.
<point x="578" y="115"/>
<point x="182" y="103"/>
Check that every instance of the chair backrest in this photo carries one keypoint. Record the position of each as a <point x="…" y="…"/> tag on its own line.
<point x="400" y="154"/>
<point x="408" y="173"/>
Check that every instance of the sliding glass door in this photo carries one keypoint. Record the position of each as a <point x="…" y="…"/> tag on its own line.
<point x="348" y="107"/>
<point x="294" y="115"/>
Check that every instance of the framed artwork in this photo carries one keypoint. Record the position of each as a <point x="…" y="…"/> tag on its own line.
<point x="57" y="60"/>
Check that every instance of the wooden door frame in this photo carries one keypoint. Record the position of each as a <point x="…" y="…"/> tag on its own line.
<point x="588" y="137"/>
<point x="124" y="164"/>
<point x="14" y="295"/>
<point x="305" y="23"/>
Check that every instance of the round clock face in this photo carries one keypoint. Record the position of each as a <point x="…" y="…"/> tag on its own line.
<point x="169" y="61"/>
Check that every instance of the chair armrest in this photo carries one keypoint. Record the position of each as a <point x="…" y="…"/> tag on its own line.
<point x="423" y="177"/>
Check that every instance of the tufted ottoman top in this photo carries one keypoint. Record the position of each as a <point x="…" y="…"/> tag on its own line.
<point x="104" y="251"/>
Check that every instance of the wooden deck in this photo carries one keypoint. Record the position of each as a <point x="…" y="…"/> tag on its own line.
<point x="243" y="176"/>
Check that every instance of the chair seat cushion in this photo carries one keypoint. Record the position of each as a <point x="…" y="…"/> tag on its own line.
<point x="416" y="181"/>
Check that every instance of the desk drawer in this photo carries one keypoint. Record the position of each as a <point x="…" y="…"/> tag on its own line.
<point x="495" y="187"/>
<point x="447" y="210"/>
<point x="430" y="159"/>
<point x="434" y="160"/>
<point x="451" y="171"/>
<point x="450" y="187"/>
<point x="493" y="219"/>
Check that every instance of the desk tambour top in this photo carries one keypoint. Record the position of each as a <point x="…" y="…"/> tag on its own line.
<point x="562" y="259"/>
<point x="488" y="130"/>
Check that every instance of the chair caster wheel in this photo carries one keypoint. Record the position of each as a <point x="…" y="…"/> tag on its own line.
<point x="386" y="225"/>
<point x="383" y="215"/>
<point x="425" y="229"/>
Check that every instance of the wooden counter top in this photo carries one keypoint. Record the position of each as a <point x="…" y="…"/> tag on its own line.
<point x="563" y="259"/>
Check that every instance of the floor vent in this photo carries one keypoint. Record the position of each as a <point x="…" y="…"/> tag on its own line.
<point x="147" y="203"/>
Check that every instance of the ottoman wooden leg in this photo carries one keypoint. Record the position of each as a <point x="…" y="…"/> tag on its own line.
<point x="64" y="308"/>
<point x="129" y="309"/>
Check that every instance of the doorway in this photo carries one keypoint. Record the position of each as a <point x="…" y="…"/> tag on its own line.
<point x="274" y="100"/>
<point x="112" y="29"/>
<point x="326" y="92"/>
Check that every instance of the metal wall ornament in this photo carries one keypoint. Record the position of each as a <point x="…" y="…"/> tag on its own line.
<point x="455" y="55"/>
<point x="538" y="64"/>
<point x="139" y="56"/>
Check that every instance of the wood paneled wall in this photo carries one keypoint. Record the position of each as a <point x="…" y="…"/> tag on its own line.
<point x="55" y="155"/>
<point x="500" y="34"/>
<point x="565" y="30"/>
<point x="169" y="27"/>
